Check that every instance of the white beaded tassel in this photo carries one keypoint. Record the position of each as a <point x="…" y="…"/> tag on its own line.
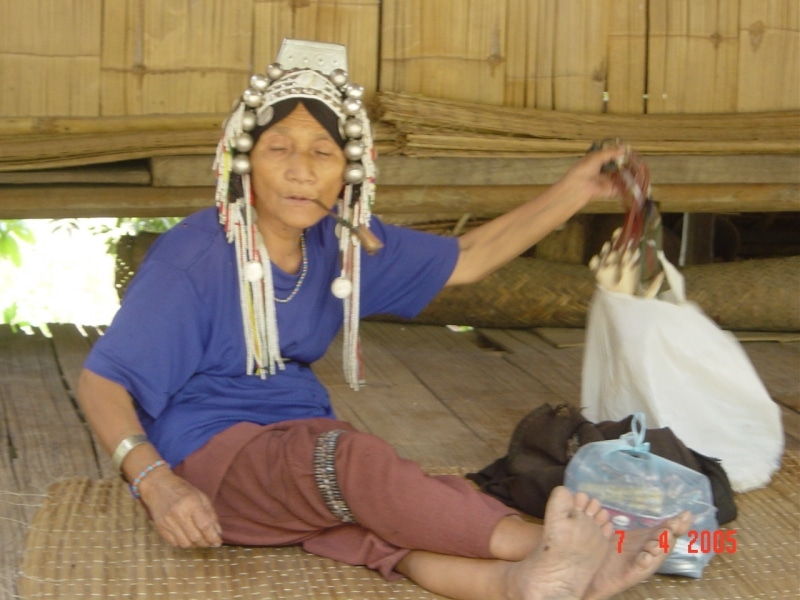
<point x="349" y="248"/>
<point x="223" y="164"/>
<point x="256" y="293"/>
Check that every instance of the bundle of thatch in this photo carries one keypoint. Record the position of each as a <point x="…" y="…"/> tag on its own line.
<point x="434" y="127"/>
<point x="42" y="142"/>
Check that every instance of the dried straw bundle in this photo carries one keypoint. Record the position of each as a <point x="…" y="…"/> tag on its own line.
<point x="428" y="126"/>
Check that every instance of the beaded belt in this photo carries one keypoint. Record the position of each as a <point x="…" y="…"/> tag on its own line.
<point x="325" y="475"/>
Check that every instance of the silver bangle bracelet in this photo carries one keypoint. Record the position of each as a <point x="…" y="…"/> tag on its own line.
<point x="124" y="447"/>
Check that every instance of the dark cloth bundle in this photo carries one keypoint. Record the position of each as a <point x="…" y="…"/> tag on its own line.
<point x="547" y="438"/>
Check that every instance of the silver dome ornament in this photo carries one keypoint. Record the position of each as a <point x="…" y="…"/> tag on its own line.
<point x="259" y="83"/>
<point x="253" y="271"/>
<point x="248" y="120"/>
<point x="243" y="142"/>
<point x="252" y="98"/>
<point x="342" y="287"/>
<point x="338" y="77"/>
<point x="354" y="90"/>
<point x="264" y="115"/>
<point x="240" y="164"/>
<point x="275" y="71"/>
<point x="351" y="106"/>
<point x="354" y="150"/>
<point x="353" y="128"/>
<point x="354" y="173"/>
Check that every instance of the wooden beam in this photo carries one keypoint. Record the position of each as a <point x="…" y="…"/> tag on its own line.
<point x="26" y="202"/>
<point x="123" y="173"/>
<point x="55" y="202"/>
<point x="403" y="170"/>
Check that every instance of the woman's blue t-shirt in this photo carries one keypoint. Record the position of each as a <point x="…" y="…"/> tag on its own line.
<point x="177" y="342"/>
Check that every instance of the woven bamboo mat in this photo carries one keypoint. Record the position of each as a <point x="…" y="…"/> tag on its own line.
<point x="90" y="540"/>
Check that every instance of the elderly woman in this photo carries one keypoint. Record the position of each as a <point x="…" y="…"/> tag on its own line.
<point x="201" y="388"/>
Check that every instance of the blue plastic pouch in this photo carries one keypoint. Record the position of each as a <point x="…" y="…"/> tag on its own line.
<point x="641" y="489"/>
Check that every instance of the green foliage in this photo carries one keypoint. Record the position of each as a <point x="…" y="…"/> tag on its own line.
<point x="11" y="233"/>
<point x="123" y="226"/>
<point x="10" y="317"/>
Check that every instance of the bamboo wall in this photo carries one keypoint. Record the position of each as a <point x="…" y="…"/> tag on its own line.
<point x="98" y="58"/>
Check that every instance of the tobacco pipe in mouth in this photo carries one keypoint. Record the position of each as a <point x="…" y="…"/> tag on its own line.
<point x="368" y="239"/>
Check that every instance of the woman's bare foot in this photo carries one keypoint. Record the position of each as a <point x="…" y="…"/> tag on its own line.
<point x="639" y="555"/>
<point x="574" y="543"/>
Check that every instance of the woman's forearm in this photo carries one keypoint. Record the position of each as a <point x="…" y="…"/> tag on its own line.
<point x="108" y="408"/>
<point x="490" y="246"/>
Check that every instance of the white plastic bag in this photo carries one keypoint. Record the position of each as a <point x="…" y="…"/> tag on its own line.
<point x="665" y="358"/>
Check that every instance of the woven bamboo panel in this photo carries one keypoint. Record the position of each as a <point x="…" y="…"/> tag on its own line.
<point x="759" y="295"/>
<point x="693" y="54"/>
<point x="49" y="57"/>
<point x="540" y="53"/>
<point x="174" y="57"/>
<point x="580" y="55"/>
<point x="627" y="52"/>
<point x="446" y="49"/>
<point x="769" y="54"/>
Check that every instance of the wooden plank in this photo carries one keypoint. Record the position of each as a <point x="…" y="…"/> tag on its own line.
<point x="50" y="127"/>
<point x="664" y="170"/>
<point x="108" y="201"/>
<point x="71" y="347"/>
<point x="769" y="55"/>
<point x="431" y="142"/>
<point x="401" y="409"/>
<point x="791" y="428"/>
<point x="485" y="171"/>
<point x="481" y="389"/>
<point x="43" y="151"/>
<point x="558" y="371"/>
<point x="133" y="173"/>
<point x="394" y="202"/>
<point x="778" y="365"/>
<point x="49" y="440"/>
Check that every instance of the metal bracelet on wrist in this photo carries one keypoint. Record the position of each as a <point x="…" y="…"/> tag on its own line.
<point x="124" y="448"/>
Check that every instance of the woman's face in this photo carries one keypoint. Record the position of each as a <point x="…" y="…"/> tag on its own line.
<point x="296" y="166"/>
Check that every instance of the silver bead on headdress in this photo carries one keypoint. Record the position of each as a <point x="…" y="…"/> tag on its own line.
<point x="303" y="70"/>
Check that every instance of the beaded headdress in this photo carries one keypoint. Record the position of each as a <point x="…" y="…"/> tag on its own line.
<point x="316" y="71"/>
